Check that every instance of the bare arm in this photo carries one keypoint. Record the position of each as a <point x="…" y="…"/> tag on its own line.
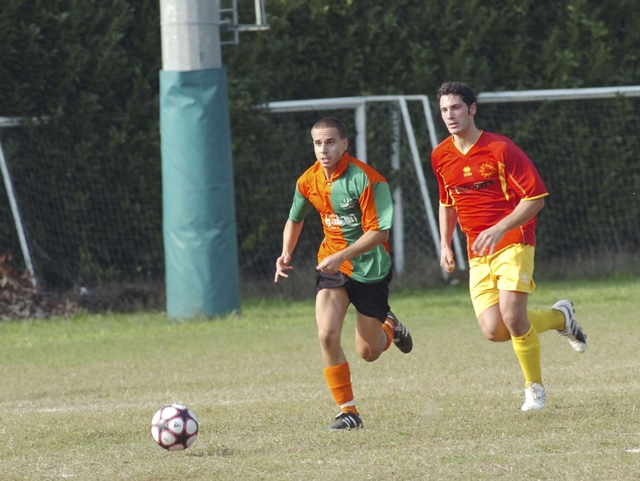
<point x="290" y="237"/>
<point x="487" y="240"/>
<point x="370" y="239"/>
<point x="447" y="219"/>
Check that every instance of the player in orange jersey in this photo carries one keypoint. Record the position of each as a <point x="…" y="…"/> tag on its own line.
<point x="354" y="266"/>
<point x="490" y="186"/>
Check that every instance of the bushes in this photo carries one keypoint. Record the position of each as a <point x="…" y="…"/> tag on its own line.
<point x="92" y="67"/>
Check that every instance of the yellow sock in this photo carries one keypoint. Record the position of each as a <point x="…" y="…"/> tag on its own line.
<point x="546" y="319"/>
<point x="339" y="381"/>
<point x="527" y="348"/>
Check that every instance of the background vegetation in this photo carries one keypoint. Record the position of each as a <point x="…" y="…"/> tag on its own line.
<point x="92" y="69"/>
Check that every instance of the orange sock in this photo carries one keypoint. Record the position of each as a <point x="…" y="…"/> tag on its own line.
<point x="339" y="381"/>
<point x="388" y="327"/>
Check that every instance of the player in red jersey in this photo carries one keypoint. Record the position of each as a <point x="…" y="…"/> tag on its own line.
<point x="354" y="266"/>
<point x="490" y="186"/>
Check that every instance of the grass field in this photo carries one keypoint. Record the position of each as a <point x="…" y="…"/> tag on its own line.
<point x="77" y="396"/>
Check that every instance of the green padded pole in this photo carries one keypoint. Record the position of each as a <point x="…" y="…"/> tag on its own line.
<point x="199" y="215"/>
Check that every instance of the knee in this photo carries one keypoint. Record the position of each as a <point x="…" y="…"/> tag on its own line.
<point x="328" y="339"/>
<point x="368" y="354"/>
<point x="512" y="321"/>
<point x="496" y="334"/>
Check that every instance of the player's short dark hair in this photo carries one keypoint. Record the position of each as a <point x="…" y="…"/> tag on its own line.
<point x="331" y="123"/>
<point x="460" y="89"/>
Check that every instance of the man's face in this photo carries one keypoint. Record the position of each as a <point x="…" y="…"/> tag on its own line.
<point x="328" y="147"/>
<point x="455" y="113"/>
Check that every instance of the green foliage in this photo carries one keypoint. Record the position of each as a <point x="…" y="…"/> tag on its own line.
<point x="338" y="48"/>
<point x="92" y="68"/>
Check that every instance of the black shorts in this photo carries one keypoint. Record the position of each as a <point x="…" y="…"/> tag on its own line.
<point x="371" y="300"/>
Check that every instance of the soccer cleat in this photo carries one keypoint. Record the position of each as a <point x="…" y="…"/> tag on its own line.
<point x="401" y="336"/>
<point x="345" y="421"/>
<point x="535" y="397"/>
<point x="574" y="334"/>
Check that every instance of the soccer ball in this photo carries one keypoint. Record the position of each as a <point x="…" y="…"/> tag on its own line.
<point x="174" y="427"/>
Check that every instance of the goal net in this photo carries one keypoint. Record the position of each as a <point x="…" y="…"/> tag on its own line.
<point x="583" y="141"/>
<point x="91" y="217"/>
<point x="88" y="218"/>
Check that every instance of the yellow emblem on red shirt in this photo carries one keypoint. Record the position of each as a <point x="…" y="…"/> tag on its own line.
<point x="488" y="170"/>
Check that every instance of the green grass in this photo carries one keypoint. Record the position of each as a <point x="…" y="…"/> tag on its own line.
<point x="77" y="396"/>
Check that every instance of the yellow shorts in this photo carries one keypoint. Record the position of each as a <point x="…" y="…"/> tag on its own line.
<point x="510" y="269"/>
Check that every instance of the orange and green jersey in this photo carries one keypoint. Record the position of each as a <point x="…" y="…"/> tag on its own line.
<point x="356" y="199"/>
<point x="486" y="184"/>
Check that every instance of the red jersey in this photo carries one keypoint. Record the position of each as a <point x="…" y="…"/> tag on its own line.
<point x="486" y="184"/>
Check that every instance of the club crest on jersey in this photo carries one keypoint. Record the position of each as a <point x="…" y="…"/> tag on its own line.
<point x="488" y="170"/>
<point x="466" y="171"/>
<point x="348" y="204"/>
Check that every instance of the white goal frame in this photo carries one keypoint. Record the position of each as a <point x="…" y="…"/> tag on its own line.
<point x="359" y="105"/>
<point x="559" y="94"/>
<point x="13" y="203"/>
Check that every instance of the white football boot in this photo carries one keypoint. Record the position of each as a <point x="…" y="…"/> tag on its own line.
<point x="535" y="397"/>
<point x="574" y="334"/>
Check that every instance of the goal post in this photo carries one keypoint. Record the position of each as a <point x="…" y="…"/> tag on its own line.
<point x="559" y="94"/>
<point x="13" y="203"/>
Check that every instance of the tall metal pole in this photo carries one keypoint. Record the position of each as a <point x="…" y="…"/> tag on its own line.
<point x="190" y="35"/>
<point x="199" y="220"/>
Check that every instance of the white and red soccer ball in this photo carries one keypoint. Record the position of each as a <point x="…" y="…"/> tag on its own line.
<point x="174" y="427"/>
